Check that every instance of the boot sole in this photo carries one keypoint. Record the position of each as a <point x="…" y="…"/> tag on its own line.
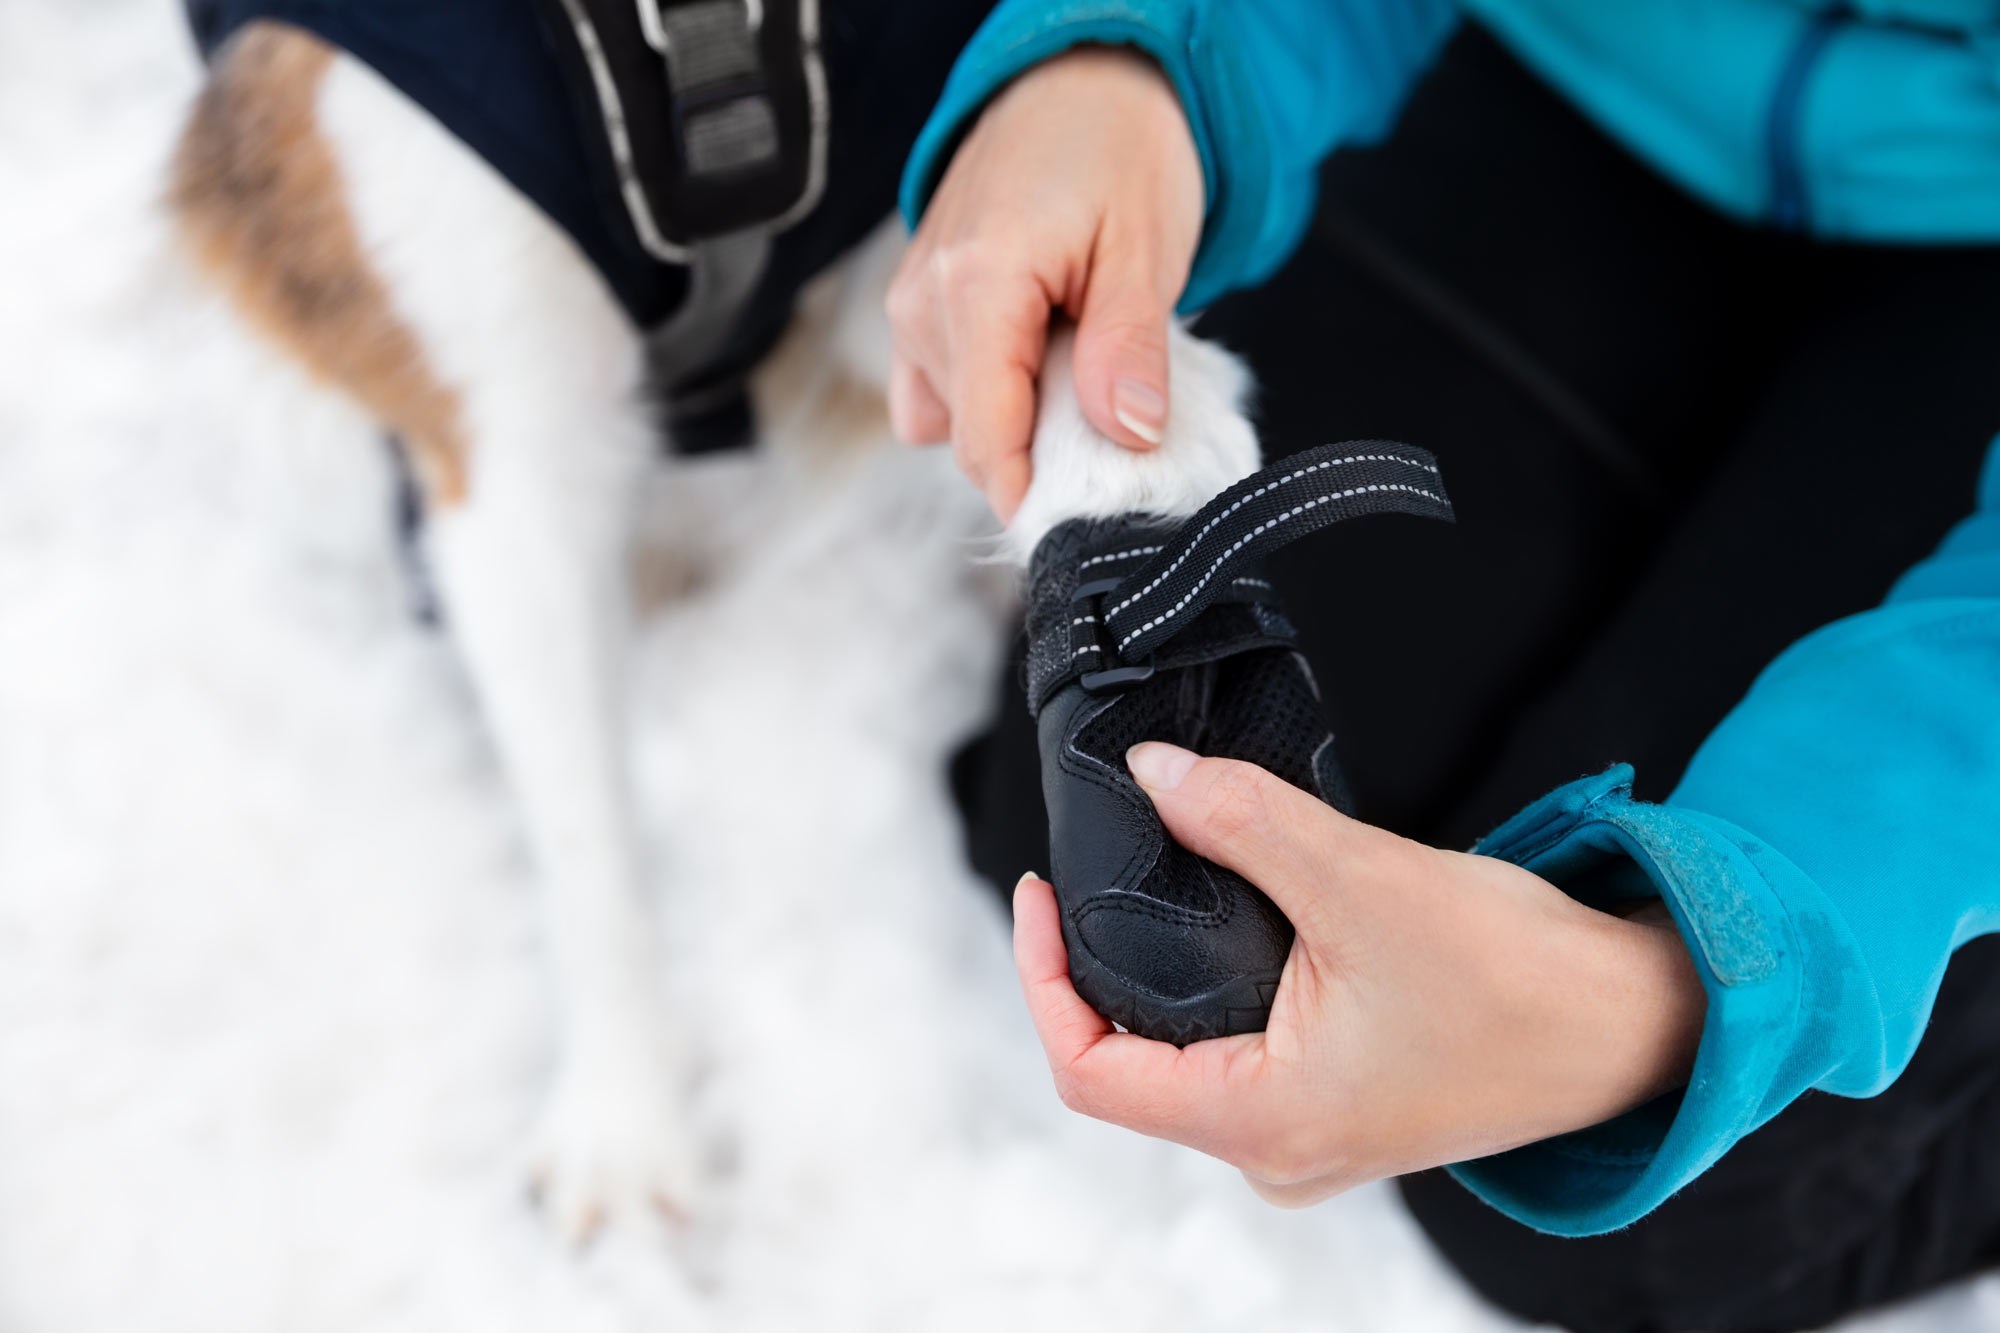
<point x="1238" y="1006"/>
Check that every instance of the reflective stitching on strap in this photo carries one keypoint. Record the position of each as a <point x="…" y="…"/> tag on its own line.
<point x="1267" y="487"/>
<point x="1121" y="555"/>
<point x="1209" y="559"/>
<point x="1245" y="540"/>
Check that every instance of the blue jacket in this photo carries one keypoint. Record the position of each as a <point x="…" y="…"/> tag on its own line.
<point x="1834" y="840"/>
<point x="1879" y="121"/>
<point x="1831" y="844"/>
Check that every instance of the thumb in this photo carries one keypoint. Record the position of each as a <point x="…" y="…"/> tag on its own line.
<point x="1121" y="349"/>
<point x="1293" y="846"/>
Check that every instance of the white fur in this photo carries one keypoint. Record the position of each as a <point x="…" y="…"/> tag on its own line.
<point x="531" y="568"/>
<point x="267" y="983"/>
<point x="1208" y="444"/>
<point x="532" y="565"/>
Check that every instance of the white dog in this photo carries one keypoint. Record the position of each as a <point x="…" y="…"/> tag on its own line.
<point x="392" y="262"/>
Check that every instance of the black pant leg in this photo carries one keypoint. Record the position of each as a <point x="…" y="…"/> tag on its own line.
<point x="1862" y="452"/>
<point x="1835" y="1206"/>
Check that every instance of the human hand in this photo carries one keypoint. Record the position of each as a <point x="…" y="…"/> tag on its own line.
<point x="1078" y="190"/>
<point x="1436" y="1007"/>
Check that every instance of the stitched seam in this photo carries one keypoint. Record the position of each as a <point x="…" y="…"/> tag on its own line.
<point x="1245" y="540"/>
<point x="1265" y="489"/>
<point x="1097" y="776"/>
<point x="1119" y="555"/>
<point x="1163" y="912"/>
<point x="1520" y="853"/>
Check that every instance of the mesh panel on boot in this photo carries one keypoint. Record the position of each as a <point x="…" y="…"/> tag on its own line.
<point x="1183" y="879"/>
<point x="1257" y="706"/>
<point x="1150" y="711"/>
<point x="1265" y="712"/>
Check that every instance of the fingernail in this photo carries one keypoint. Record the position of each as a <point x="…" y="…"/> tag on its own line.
<point x="1029" y="878"/>
<point x="1158" y="766"/>
<point x="1140" y="409"/>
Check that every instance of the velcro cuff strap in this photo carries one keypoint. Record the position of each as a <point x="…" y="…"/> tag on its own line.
<point x="1111" y="599"/>
<point x="1256" y="516"/>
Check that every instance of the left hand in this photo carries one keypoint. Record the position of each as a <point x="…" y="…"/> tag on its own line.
<point x="1436" y="1007"/>
<point x="1079" y="191"/>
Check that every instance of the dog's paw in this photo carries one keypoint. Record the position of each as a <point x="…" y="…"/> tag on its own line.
<point x="612" y="1146"/>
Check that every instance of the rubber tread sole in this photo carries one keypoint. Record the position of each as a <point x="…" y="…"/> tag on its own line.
<point x="1238" y="1006"/>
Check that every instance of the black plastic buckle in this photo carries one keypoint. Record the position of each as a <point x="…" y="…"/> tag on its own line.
<point x="721" y="95"/>
<point x="1114" y="674"/>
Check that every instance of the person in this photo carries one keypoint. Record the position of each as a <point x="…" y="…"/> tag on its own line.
<point x="1698" y="303"/>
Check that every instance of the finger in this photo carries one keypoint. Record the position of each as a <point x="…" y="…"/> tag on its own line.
<point x="1289" y="844"/>
<point x="917" y="350"/>
<point x="1121" y="345"/>
<point x="1067" y="1026"/>
<point x="1192" y="1096"/>
<point x="1296" y="1194"/>
<point x="916" y="413"/>
<point x="996" y="350"/>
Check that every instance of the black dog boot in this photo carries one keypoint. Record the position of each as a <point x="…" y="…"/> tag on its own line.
<point x="1143" y="629"/>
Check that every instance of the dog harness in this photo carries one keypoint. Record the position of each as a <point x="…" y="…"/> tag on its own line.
<point x="707" y="156"/>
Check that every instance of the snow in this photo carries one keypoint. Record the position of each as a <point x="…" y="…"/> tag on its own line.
<point x="274" y="1009"/>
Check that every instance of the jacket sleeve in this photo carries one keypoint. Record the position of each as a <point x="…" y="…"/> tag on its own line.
<point x="1270" y="88"/>
<point x="1830" y="846"/>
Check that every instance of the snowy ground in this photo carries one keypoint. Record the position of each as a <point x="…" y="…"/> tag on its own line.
<point x="272" y="1013"/>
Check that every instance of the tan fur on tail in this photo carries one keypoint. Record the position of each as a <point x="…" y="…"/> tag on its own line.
<point x="259" y="199"/>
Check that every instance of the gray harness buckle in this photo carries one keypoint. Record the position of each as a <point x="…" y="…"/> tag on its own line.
<point x="715" y="74"/>
<point x="714" y="112"/>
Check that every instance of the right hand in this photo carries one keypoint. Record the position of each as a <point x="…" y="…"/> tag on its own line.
<point x="1436" y="1007"/>
<point x="1078" y="190"/>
